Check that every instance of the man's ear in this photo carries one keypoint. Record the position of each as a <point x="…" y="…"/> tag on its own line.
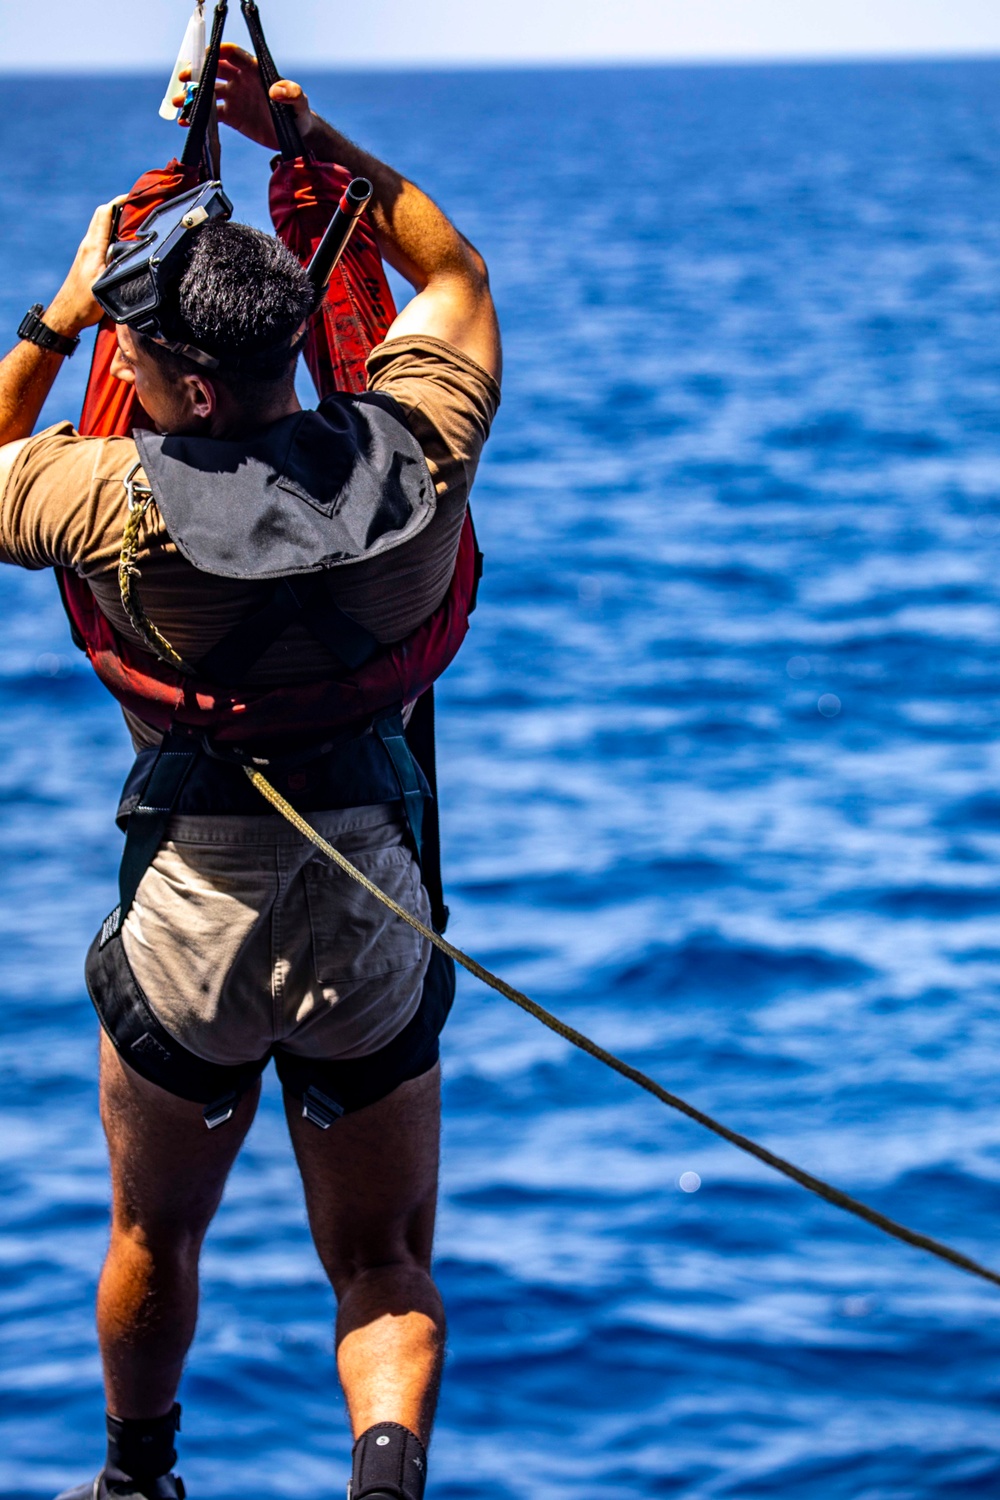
<point x="202" y="398"/>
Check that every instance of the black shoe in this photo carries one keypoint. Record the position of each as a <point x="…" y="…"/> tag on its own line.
<point x="167" y="1487"/>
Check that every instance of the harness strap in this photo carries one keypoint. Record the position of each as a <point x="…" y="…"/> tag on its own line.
<point x="420" y="738"/>
<point x="230" y="659"/>
<point x="478" y="562"/>
<point x="337" y="631"/>
<point x="147" y="824"/>
<point x="307" y="599"/>
<point x="285" y="127"/>
<point x="393" y="736"/>
<point x="201" y="119"/>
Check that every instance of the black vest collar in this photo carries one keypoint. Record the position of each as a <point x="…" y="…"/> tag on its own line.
<point x="315" y="490"/>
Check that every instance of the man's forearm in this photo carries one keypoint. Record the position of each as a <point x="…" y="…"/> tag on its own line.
<point x="453" y="304"/>
<point x="26" y="377"/>
<point x="28" y="373"/>
<point x="417" y="239"/>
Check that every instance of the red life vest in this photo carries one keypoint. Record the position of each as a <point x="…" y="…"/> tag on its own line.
<point x="355" y="316"/>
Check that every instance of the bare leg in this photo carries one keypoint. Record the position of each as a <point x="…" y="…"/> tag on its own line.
<point x="371" y="1192"/>
<point x="167" y="1176"/>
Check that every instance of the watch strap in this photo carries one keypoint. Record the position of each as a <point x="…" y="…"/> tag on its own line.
<point x="36" y="332"/>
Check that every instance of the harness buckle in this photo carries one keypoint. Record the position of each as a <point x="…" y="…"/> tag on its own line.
<point x="111" y="924"/>
<point x="319" y="1108"/>
<point x="138" y="494"/>
<point x="222" y="1110"/>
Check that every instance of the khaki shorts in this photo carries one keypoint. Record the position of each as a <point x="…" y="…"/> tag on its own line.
<point x="243" y="937"/>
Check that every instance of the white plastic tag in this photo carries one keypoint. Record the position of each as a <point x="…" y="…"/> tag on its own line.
<point x="193" y="52"/>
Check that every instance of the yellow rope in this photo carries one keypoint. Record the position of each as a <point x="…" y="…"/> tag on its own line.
<point x="570" y="1034"/>
<point x="140" y="498"/>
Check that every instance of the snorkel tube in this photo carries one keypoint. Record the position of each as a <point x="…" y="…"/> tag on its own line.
<point x="306" y="198"/>
<point x="354" y="200"/>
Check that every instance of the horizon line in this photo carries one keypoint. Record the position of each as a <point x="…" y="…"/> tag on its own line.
<point x="532" y="64"/>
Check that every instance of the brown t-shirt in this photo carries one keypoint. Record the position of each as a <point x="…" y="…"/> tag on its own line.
<point x="65" y="505"/>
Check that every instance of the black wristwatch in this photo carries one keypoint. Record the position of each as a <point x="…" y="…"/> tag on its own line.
<point x="36" y="332"/>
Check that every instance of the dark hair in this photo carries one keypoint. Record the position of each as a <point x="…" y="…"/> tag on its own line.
<point x="242" y="297"/>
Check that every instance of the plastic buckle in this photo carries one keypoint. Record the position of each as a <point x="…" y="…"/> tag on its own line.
<point x="187" y="108"/>
<point x="319" y="1108"/>
<point x="222" y="1110"/>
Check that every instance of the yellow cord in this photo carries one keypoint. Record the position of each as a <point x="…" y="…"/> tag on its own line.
<point x="578" y="1039"/>
<point x="140" y="498"/>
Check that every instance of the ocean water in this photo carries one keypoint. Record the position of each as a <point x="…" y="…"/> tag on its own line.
<point x="721" y="785"/>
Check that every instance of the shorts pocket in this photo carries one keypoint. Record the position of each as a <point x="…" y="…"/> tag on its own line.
<point x="355" y="937"/>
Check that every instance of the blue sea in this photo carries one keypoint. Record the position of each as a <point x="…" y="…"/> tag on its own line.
<point x="721" y="785"/>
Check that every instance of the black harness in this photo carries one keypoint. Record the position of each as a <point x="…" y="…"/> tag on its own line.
<point x="312" y="492"/>
<point x="187" y="773"/>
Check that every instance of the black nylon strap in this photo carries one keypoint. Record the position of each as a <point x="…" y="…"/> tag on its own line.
<point x="201" y="118"/>
<point x="174" y="762"/>
<point x="355" y="1082"/>
<point x="393" y="736"/>
<point x="338" y="631"/>
<point x="285" y="127"/>
<point x="147" y="824"/>
<point x="231" y="659"/>
<point x="420" y="736"/>
<point x="142" y="1042"/>
<point x="478" y="564"/>
<point x="389" y="1463"/>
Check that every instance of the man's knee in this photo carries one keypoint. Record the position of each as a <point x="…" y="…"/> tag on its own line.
<point x="350" y="1267"/>
<point x="355" y="1249"/>
<point x="162" y="1240"/>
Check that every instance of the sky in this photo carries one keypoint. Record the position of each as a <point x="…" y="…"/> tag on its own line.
<point x="144" y="34"/>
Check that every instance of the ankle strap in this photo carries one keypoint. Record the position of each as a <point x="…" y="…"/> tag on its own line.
<point x="390" y="1463"/>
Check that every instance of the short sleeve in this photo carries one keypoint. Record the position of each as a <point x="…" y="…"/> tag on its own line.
<point x="449" y="401"/>
<point x="64" y="501"/>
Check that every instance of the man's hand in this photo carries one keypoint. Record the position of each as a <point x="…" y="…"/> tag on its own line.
<point x="240" y="100"/>
<point x="74" y="307"/>
<point x="28" y="372"/>
<point x="453" y="300"/>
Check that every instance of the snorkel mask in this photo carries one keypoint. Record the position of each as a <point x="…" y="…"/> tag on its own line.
<point x="140" y="270"/>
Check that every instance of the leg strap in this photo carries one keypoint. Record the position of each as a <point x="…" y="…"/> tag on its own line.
<point x="147" y="1047"/>
<point x="141" y="1449"/>
<point x="390" y="1463"/>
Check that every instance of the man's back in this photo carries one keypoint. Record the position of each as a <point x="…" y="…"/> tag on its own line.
<point x="65" y="505"/>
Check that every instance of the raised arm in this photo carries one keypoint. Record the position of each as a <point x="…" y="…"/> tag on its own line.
<point x="453" y="300"/>
<point x="28" y="372"/>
